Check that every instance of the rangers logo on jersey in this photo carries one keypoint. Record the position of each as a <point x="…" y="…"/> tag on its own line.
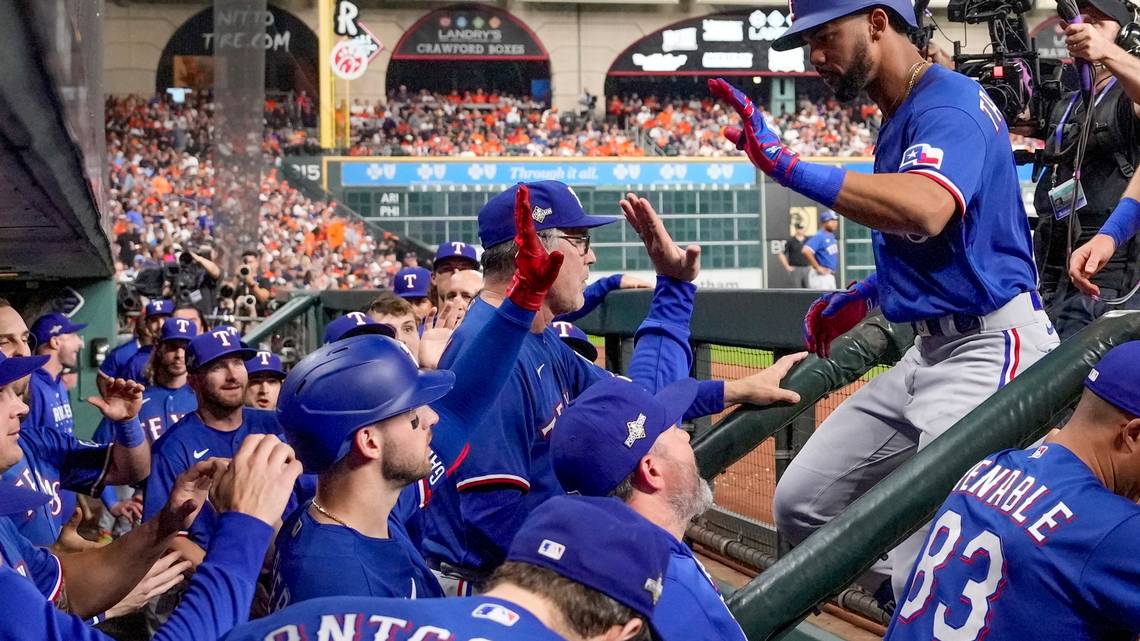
<point x="922" y="155"/>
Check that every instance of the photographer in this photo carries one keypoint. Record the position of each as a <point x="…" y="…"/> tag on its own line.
<point x="251" y="280"/>
<point x="1111" y="157"/>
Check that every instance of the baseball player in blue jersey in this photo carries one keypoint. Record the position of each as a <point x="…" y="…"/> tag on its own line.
<point x="45" y="595"/>
<point x="822" y="252"/>
<point x="476" y="511"/>
<point x="451" y="257"/>
<point x="217" y="374"/>
<point x="146" y="333"/>
<point x="617" y="439"/>
<point x="1040" y="543"/>
<point x="167" y="397"/>
<point x="54" y="461"/>
<point x="580" y="569"/>
<point x="361" y="415"/>
<point x="952" y="252"/>
<point x="156" y="314"/>
<point x="57" y="338"/>
<point x="265" y="373"/>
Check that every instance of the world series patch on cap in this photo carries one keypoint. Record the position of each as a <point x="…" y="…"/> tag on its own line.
<point x="606" y="431"/>
<point x="554" y="205"/>
<point x="600" y="543"/>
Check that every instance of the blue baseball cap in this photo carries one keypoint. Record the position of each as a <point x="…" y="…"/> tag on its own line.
<point x="355" y="324"/>
<point x="606" y="431"/>
<point x="600" y="543"/>
<point x="553" y="205"/>
<point x="456" y="249"/>
<point x="13" y="368"/>
<point x="178" y="329"/>
<point x="576" y="339"/>
<point x="413" y="282"/>
<point x="265" y="363"/>
<point x="219" y="342"/>
<point x="161" y="307"/>
<point x="828" y="215"/>
<point x="807" y="15"/>
<point x="1116" y="378"/>
<point x="53" y="324"/>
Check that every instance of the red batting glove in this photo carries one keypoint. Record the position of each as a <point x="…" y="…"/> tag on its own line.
<point x="834" y="314"/>
<point x="535" y="269"/>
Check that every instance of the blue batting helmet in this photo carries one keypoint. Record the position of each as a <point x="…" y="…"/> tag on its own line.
<point x="344" y="386"/>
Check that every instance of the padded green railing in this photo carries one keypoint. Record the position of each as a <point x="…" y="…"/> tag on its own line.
<point x="874" y="342"/>
<point x="831" y="558"/>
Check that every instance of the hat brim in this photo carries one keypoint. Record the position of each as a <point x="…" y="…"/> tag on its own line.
<point x="16" y="500"/>
<point x="1115" y="10"/>
<point x="275" y="373"/>
<point x="677" y="398"/>
<point x="244" y="353"/>
<point x="383" y="329"/>
<point x="423" y="294"/>
<point x="588" y="222"/>
<point x="584" y="348"/>
<point x="17" y="367"/>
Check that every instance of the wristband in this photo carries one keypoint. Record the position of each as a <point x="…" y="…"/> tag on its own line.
<point x="1124" y="221"/>
<point x="819" y="182"/>
<point x="129" y="433"/>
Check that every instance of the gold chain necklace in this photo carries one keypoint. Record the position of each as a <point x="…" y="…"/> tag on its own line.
<point x="326" y="513"/>
<point x="914" y="72"/>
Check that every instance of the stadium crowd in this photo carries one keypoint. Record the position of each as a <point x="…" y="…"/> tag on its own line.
<point x="161" y="191"/>
<point x="488" y="124"/>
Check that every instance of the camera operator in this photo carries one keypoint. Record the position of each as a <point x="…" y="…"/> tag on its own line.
<point x="251" y="279"/>
<point x="1111" y="157"/>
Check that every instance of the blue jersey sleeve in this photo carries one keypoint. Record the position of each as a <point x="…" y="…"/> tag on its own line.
<point x="595" y="295"/>
<point x="1110" y="577"/>
<point x="481" y="368"/>
<point x="40" y="566"/>
<point x="163" y="471"/>
<point x="81" y="464"/>
<point x="218" y="598"/>
<point x="817" y="243"/>
<point x="945" y="145"/>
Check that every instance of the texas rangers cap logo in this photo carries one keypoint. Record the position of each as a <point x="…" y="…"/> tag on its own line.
<point x="539" y="214"/>
<point x="636" y="430"/>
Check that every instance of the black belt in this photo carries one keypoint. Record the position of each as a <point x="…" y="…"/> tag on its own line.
<point x="474" y="576"/>
<point x="963" y="324"/>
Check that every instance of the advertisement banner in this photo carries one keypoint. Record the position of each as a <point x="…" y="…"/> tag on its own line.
<point x="469" y="32"/>
<point x="726" y="173"/>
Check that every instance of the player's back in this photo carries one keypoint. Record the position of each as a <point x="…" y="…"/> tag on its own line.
<point x="458" y="619"/>
<point x="1029" y="545"/>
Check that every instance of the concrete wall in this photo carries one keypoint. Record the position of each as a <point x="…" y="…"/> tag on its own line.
<point x="583" y="39"/>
